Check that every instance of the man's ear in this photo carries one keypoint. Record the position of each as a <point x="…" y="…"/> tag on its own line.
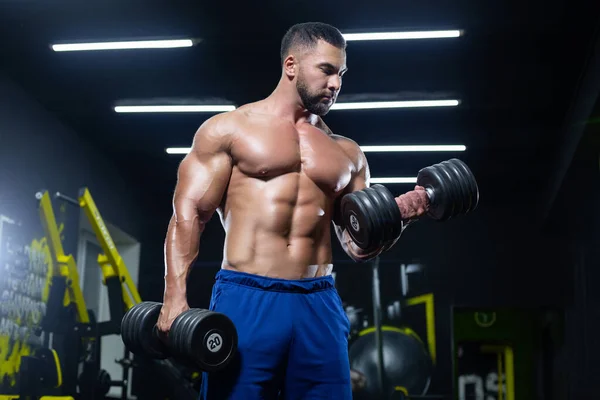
<point x="290" y="67"/>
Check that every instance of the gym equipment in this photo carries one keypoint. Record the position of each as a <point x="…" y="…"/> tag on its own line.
<point x="49" y="340"/>
<point x="356" y="318"/>
<point x="205" y="338"/>
<point x="94" y="383"/>
<point x="380" y="346"/>
<point x="394" y="311"/>
<point x="451" y="188"/>
<point x="406" y="362"/>
<point x="372" y="217"/>
<point x="65" y="294"/>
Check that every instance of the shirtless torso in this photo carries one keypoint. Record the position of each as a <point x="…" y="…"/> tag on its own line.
<point x="274" y="184"/>
<point x="278" y="206"/>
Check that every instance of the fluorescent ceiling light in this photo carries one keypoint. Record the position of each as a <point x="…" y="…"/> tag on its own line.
<point x="394" y="180"/>
<point x="373" y="149"/>
<point x="337" y="106"/>
<point x="402" y="35"/>
<point x="377" y="149"/>
<point x="178" y="150"/>
<point x="394" y="104"/>
<point x="191" y="108"/>
<point x="141" y="44"/>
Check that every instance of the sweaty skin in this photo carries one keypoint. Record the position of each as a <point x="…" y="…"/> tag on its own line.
<point x="274" y="178"/>
<point x="274" y="185"/>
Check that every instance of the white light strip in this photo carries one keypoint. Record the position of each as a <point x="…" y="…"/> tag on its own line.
<point x="402" y="35"/>
<point x="366" y="149"/>
<point x="377" y="149"/>
<point x="337" y="106"/>
<point x="173" y="109"/>
<point x="394" y="104"/>
<point x="394" y="180"/>
<point x="141" y="44"/>
<point x="178" y="150"/>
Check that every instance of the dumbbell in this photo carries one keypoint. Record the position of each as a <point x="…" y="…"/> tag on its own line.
<point x="206" y="339"/>
<point x="372" y="217"/>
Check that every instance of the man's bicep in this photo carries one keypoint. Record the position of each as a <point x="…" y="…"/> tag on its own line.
<point x="361" y="174"/>
<point x="359" y="180"/>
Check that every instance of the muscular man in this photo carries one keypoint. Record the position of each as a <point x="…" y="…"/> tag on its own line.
<point x="275" y="173"/>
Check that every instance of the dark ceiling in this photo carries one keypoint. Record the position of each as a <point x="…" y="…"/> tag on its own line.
<point x="517" y="71"/>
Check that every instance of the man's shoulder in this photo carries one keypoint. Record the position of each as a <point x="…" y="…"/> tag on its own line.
<point x="352" y="150"/>
<point x="342" y="140"/>
<point x="222" y="124"/>
<point x="349" y="146"/>
<point x="345" y="142"/>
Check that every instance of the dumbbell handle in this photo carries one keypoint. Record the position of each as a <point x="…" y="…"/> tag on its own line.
<point x="430" y="194"/>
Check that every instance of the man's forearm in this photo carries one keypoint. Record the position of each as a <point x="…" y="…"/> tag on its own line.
<point x="181" y="250"/>
<point x="355" y="252"/>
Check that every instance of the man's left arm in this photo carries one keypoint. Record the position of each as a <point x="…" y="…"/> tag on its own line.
<point x="359" y="181"/>
<point x="412" y="205"/>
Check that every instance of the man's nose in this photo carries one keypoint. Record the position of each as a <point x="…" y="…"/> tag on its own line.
<point x="334" y="83"/>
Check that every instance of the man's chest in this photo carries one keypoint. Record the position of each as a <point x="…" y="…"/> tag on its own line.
<point x="270" y="150"/>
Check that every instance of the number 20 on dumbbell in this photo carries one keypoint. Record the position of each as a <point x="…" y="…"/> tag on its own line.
<point x="204" y="338"/>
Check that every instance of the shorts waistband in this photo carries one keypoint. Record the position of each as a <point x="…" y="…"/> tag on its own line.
<point x="275" y="284"/>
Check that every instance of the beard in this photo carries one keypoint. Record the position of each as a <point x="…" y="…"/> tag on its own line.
<point x="311" y="101"/>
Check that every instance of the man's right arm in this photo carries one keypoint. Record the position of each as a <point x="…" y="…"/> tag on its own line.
<point x="202" y="179"/>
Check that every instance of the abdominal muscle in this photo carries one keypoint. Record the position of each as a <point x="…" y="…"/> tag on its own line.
<point x="278" y="228"/>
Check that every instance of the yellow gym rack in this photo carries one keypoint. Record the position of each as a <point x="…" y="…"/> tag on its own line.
<point x="74" y="331"/>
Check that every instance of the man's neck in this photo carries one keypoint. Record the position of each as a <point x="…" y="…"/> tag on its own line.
<point x="285" y="103"/>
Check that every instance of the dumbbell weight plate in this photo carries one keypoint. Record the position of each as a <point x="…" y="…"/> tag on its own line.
<point x="467" y="196"/>
<point x="179" y="331"/>
<point x="440" y="205"/>
<point x="181" y="340"/>
<point x="214" y="341"/>
<point x="128" y="329"/>
<point x="355" y="211"/>
<point x="151" y="344"/>
<point x="454" y="206"/>
<point x="392" y="213"/>
<point x="138" y="331"/>
<point x="461" y="199"/>
<point x="470" y="179"/>
<point x="205" y="338"/>
<point x="378" y="215"/>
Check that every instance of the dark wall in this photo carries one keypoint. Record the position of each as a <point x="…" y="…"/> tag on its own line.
<point x="38" y="152"/>
<point x="575" y="219"/>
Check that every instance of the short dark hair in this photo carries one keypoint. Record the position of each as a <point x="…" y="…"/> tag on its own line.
<point x="307" y="34"/>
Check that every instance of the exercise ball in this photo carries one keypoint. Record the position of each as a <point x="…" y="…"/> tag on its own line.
<point x="406" y="362"/>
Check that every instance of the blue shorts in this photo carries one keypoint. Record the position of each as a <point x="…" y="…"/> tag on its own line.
<point x="293" y="339"/>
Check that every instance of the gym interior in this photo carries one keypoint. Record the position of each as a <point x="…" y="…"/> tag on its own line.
<point x="494" y="303"/>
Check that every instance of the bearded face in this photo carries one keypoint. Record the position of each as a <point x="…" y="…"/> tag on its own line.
<point x="317" y="101"/>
